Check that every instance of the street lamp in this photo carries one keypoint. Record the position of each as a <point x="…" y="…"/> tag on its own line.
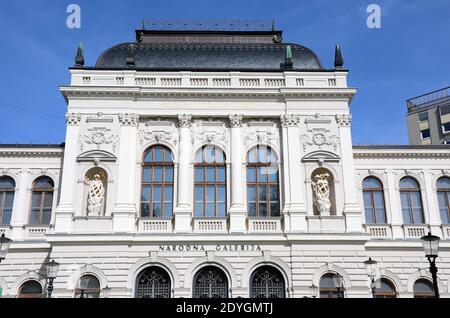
<point x="371" y="268"/>
<point x="51" y="269"/>
<point x="4" y="246"/>
<point x="431" y="248"/>
<point x="314" y="291"/>
<point x="84" y="284"/>
<point x="339" y="283"/>
<point x="106" y="292"/>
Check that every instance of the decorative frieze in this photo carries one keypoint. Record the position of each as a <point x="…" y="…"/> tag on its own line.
<point x="208" y="132"/>
<point x="73" y="119"/>
<point x="260" y="132"/>
<point x="99" y="118"/>
<point x="99" y="137"/>
<point x="319" y="137"/>
<point x="236" y="121"/>
<point x="157" y="133"/>
<point x="185" y="120"/>
<point x="344" y="120"/>
<point x="129" y="120"/>
<point x="290" y="120"/>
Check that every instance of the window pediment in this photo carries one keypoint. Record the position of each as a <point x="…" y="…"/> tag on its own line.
<point x="96" y="156"/>
<point x="321" y="156"/>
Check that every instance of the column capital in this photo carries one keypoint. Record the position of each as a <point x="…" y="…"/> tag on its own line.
<point x="129" y="119"/>
<point x="290" y="120"/>
<point x="185" y="120"/>
<point x="236" y="121"/>
<point x="73" y="119"/>
<point x="344" y="120"/>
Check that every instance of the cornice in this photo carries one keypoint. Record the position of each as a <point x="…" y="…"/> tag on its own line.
<point x="31" y="154"/>
<point x="401" y="155"/>
<point x="132" y="92"/>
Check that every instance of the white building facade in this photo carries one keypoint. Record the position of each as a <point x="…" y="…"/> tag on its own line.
<point x="193" y="167"/>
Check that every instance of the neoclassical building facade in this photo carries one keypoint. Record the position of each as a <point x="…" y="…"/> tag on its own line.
<point x="218" y="164"/>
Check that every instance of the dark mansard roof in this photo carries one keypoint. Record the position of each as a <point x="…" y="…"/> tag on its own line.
<point x="208" y="51"/>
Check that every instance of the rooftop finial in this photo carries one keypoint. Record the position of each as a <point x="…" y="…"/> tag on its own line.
<point x="131" y="59"/>
<point x="79" y="58"/>
<point x="288" y="64"/>
<point x="338" y="60"/>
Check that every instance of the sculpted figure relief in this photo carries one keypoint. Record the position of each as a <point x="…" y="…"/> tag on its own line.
<point x="96" y="196"/>
<point x="322" y="193"/>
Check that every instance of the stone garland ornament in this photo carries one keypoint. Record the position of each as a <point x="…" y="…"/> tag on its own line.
<point x="319" y="137"/>
<point x="200" y="134"/>
<point x="99" y="137"/>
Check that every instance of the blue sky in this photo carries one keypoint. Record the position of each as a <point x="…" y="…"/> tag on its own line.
<point x="407" y="57"/>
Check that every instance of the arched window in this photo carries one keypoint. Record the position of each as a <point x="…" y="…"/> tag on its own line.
<point x="7" y="186"/>
<point x="267" y="282"/>
<point x="157" y="183"/>
<point x="210" y="282"/>
<point x="30" y="289"/>
<point x="411" y="199"/>
<point x="88" y="286"/>
<point x="210" y="183"/>
<point x="374" y="206"/>
<point x="329" y="286"/>
<point x="42" y="201"/>
<point x="153" y="282"/>
<point x="263" y="196"/>
<point x="385" y="289"/>
<point x="443" y="193"/>
<point x="423" y="288"/>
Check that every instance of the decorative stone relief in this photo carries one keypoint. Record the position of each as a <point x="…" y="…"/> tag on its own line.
<point x="155" y="133"/>
<point x="322" y="193"/>
<point x="129" y="119"/>
<point x="319" y="137"/>
<point x="73" y="119"/>
<point x="266" y="132"/>
<point x="100" y="118"/>
<point x="290" y="120"/>
<point x="185" y="120"/>
<point x="344" y="120"/>
<point x="99" y="137"/>
<point x="236" y="121"/>
<point x="210" y="132"/>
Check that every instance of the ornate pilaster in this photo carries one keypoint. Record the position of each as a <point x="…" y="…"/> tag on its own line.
<point x="290" y="120"/>
<point x="21" y="209"/>
<point x="237" y="211"/>
<point x="125" y="211"/>
<point x="183" y="211"/>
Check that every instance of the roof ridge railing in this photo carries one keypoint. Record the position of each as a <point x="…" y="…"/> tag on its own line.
<point x="429" y="97"/>
<point x="208" y="25"/>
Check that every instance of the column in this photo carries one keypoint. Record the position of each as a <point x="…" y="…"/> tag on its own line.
<point x="433" y="208"/>
<point x="21" y="207"/>
<point x="294" y="177"/>
<point x="394" y="206"/>
<point x="237" y="210"/>
<point x="65" y="211"/>
<point x="352" y="212"/>
<point x="125" y="212"/>
<point x="183" y="211"/>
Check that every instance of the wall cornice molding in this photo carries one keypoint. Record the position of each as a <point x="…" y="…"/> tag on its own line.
<point x="401" y="155"/>
<point x="31" y="154"/>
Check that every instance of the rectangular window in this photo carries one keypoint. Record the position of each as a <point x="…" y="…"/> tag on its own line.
<point x="445" y="110"/>
<point x="423" y="116"/>
<point x="446" y="127"/>
<point x="424" y="134"/>
<point x="447" y="142"/>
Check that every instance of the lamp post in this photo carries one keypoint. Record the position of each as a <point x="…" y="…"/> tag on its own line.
<point x="314" y="291"/>
<point x="431" y="248"/>
<point x="106" y="292"/>
<point x="339" y="283"/>
<point x="4" y="246"/>
<point x="371" y="268"/>
<point x="51" y="269"/>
